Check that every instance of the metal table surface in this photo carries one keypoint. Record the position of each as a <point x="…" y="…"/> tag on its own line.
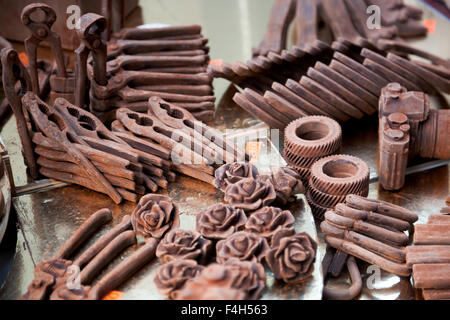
<point x="233" y="27"/>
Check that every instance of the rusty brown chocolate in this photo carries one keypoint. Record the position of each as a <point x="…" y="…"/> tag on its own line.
<point x="268" y="220"/>
<point x="291" y="256"/>
<point x="154" y="216"/>
<point x="172" y="276"/>
<point x="287" y="183"/>
<point x="220" y="221"/>
<point x="232" y="173"/>
<point x="409" y="128"/>
<point x="244" y="276"/>
<point x="242" y="245"/>
<point x="250" y="194"/>
<point x="183" y="244"/>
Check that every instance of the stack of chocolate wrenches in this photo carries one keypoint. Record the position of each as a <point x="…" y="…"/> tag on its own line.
<point x="371" y="230"/>
<point x="168" y="62"/>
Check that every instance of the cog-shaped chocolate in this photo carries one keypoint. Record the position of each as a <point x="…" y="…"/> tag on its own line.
<point x="266" y="221"/>
<point x="220" y="221"/>
<point x="232" y="173"/>
<point x="287" y="183"/>
<point x="292" y="256"/>
<point x="172" y="276"/>
<point x="183" y="244"/>
<point x="154" y="216"/>
<point x="244" y="246"/>
<point x="250" y="194"/>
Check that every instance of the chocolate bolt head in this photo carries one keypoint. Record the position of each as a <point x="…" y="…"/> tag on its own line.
<point x="292" y="256"/>
<point x="250" y="194"/>
<point x="154" y="216"/>
<point x="232" y="173"/>
<point x="220" y="221"/>
<point x="173" y="275"/>
<point x="242" y="245"/>
<point x="266" y="221"/>
<point x="397" y="119"/>
<point x="183" y="244"/>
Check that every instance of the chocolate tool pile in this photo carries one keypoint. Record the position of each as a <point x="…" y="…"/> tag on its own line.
<point x="371" y="230"/>
<point x="429" y="258"/>
<point x="348" y="19"/>
<point x="138" y="63"/>
<point x="342" y="81"/>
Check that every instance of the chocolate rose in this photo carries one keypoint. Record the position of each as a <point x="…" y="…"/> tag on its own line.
<point x="248" y="276"/>
<point x="250" y="194"/>
<point x="173" y="275"/>
<point x="154" y="216"/>
<point x="292" y="256"/>
<point x="196" y="290"/>
<point x="242" y="245"/>
<point x="220" y="221"/>
<point x="287" y="183"/>
<point x="232" y="173"/>
<point x="183" y="244"/>
<point x="266" y="221"/>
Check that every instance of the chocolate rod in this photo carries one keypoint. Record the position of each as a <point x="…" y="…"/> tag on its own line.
<point x="88" y="227"/>
<point x="438" y="70"/>
<point x="381" y="207"/>
<point x="196" y="174"/>
<point x="110" y="168"/>
<point x="438" y="219"/>
<point x="378" y="233"/>
<point x="337" y="263"/>
<point x="153" y="170"/>
<point x="353" y="291"/>
<point x="385" y="44"/>
<point x="113" y="148"/>
<point x="431" y="294"/>
<point x="427" y="254"/>
<point x="155" y="33"/>
<point x="136" y="62"/>
<point x="161" y="182"/>
<point x="170" y="176"/>
<point x="92" y="251"/>
<point x="91" y="153"/>
<point x="199" y="90"/>
<point x="181" y="70"/>
<point x="368" y="256"/>
<point x="378" y="247"/>
<point x="431" y="276"/>
<point x="143" y="144"/>
<point x="112" y="173"/>
<point x="306" y="18"/>
<point x="125" y="270"/>
<point x="150" y="184"/>
<point x="131" y="95"/>
<point x="432" y="234"/>
<point x="372" y="217"/>
<point x="180" y="53"/>
<point x="106" y="255"/>
<point x="133" y="47"/>
<point x="87" y="183"/>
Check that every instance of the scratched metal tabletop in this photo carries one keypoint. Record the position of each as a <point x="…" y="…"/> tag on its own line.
<point x="233" y="28"/>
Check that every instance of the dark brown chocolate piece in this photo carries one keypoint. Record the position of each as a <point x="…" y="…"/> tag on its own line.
<point x="268" y="220"/>
<point x="183" y="244"/>
<point x="220" y="221"/>
<point x="154" y="216"/>
<point x="287" y="183"/>
<point x="292" y="256"/>
<point x="172" y="276"/>
<point x="242" y="245"/>
<point x="232" y="173"/>
<point x="250" y="194"/>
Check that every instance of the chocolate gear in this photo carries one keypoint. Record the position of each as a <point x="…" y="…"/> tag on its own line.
<point x="408" y="128"/>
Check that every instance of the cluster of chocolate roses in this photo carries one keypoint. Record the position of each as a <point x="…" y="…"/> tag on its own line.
<point x="240" y="236"/>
